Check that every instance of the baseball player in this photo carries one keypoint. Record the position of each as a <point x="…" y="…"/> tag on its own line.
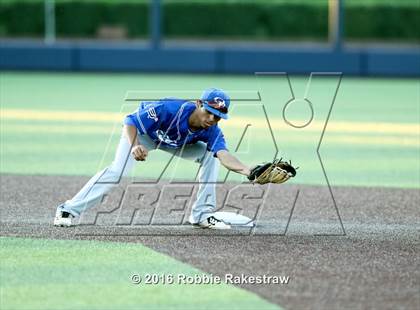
<point x="186" y="129"/>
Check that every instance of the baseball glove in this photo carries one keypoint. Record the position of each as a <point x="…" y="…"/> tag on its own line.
<point x="277" y="171"/>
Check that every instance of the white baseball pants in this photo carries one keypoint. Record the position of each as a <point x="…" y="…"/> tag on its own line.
<point x="91" y="194"/>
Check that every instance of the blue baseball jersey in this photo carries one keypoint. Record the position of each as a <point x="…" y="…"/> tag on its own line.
<point x="166" y="122"/>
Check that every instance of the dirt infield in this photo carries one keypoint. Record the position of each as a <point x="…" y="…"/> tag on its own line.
<point x="373" y="263"/>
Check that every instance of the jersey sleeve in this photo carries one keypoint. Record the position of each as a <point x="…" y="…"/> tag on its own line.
<point x="129" y="120"/>
<point x="146" y="118"/>
<point x="215" y="140"/>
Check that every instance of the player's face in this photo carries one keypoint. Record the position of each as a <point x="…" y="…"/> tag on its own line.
<point x="208" y="119"/>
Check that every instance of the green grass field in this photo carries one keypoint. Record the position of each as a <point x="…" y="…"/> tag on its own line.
<point x="69" y="124"/>
<point x="63" y="274"/>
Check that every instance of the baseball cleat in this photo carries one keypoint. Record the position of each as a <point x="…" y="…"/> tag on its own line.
<point x="62" y="218"/>
<point x="213" y="223"/>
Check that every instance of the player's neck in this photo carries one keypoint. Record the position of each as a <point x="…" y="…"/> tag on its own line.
<point x="193" y="121"/>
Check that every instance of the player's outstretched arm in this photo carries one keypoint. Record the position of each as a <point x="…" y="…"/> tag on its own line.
<point x="232" y="163"/>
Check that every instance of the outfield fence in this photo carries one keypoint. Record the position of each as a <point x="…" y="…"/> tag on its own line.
<point x="365" y="38"/>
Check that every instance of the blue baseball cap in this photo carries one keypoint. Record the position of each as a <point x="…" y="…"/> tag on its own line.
<point x="216" y="101"/>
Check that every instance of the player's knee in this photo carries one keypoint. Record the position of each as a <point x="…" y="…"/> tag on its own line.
<point x="116" y="171"/>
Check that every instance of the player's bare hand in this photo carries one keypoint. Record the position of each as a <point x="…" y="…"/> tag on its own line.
<point x="139" y="152"/>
